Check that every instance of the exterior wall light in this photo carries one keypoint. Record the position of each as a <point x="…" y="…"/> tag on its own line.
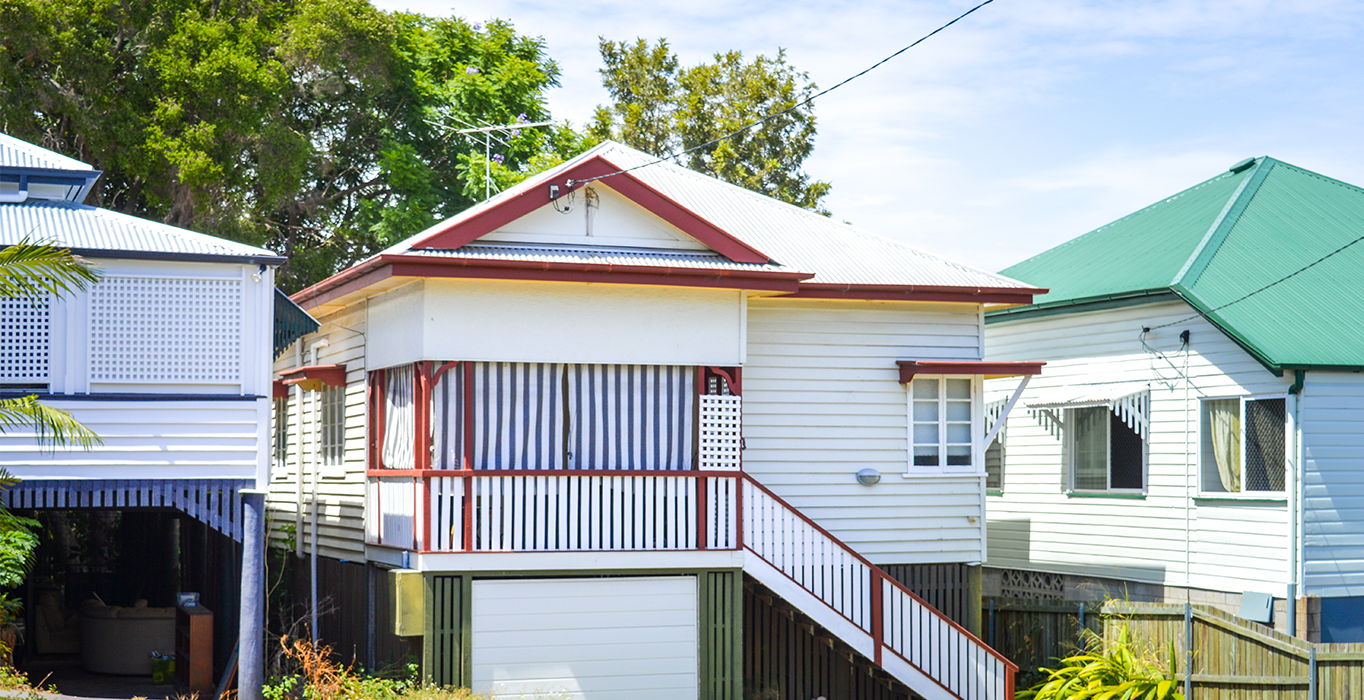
<point x="868" y="476"/>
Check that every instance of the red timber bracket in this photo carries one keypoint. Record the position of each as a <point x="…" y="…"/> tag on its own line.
<point x="314" y="377"/>
<point x="279" y="390"/>
<point x="726" y="377"/>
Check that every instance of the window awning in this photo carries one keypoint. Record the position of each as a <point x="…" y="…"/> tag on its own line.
<point x="314" y="377"/>
<point x="991" y="370"/>
<point x="1131" y="401"/>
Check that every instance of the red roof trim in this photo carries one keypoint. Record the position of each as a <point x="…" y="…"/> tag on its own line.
<point x="314" y="377"/>
<point x="885" y="292"/>
<point x="490" y="219"/>
<point x="909" y="368"/>
<point x="279" y="390"/>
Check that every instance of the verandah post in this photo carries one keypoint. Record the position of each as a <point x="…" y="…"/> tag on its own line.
<point x="421" y="400"/>
<point x="467" y="417"/>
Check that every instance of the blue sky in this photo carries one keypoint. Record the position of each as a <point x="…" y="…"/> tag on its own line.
<point x="1023" y="126"/>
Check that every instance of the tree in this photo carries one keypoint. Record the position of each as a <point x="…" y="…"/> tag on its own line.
<point x="662" y="109"/>
<point x="35" y="273"/>
<point x="316" y="128"/>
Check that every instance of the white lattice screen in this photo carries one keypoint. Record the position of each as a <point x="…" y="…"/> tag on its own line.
<point x="165" y="330"/>
<point x="720" y="437"/>
<point x="25" y="339"/>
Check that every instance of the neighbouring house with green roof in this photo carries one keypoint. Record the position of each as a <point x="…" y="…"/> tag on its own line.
<point x="1198" y="430"/>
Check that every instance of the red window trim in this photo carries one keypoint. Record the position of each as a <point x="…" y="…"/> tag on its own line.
<point x="909" y="368"/>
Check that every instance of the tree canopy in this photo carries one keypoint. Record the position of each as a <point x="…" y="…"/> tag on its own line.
<point x="663" y="109"/>
<point x="321" y="129"/>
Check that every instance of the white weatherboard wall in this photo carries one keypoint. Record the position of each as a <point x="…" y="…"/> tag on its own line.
<point x="1332" y="414"/>
<point x="822" y="400"/>
<point x="341" y="492"/>
<point x="439" y="319"/>
<point x="1171" y="536"/>
<point x="586" y="639"/>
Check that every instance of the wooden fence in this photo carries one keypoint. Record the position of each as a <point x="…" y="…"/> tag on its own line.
<point x="1221" y="657"/>
<point x="1035" y="633"/>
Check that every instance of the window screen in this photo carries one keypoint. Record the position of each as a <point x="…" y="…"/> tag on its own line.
<point x="1265" y="448"/>
<point x="1105" y="452"/>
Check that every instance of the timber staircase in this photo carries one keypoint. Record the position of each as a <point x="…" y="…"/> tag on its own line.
<point x="861" y="605"/>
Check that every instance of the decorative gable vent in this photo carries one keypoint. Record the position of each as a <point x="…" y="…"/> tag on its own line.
<point x="25" y="341"/>
<point x="152" y="330"/>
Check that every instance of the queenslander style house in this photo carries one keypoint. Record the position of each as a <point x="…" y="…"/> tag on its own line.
<point x="1198" y="432"/>
<point x="167" y="359"/>
<point x="627" y="431"/>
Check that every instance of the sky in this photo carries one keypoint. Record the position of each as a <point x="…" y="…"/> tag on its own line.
<point x="1026" y="124"/>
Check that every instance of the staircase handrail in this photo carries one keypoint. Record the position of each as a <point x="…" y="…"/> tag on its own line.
<point x="879" y="575"/>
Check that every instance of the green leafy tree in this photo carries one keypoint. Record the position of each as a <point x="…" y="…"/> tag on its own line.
<point x="35" y="272"/>
<point x="318" y="128"/>
<point x="663" y="109"/>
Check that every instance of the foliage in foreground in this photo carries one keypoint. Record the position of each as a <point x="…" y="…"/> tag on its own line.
<point x="1108" y="671"/>
<point x="318" y="676"/>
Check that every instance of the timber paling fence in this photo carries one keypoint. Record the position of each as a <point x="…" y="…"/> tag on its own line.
<point x="1222" y="657"/>
<point x="1035" y="633"/>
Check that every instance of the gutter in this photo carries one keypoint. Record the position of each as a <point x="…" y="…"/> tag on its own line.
<point x="1080" y="305"/>
<point x="273" y="260"/>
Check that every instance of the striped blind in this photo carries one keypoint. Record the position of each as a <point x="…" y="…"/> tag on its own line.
<point x="631" y="416"/>
<point x="400" y="416"/>
<point x="567" y="416"/>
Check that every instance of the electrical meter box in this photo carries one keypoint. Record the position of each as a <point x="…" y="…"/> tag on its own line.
<point x="409" y="601"/>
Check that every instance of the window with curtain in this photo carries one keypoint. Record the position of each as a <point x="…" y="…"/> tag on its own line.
<point x="1244" y="445"/>
<point x="940" y="423"/>
<point x="400" y="431"/>
<point x="1104" y="452"/>
<point x="568" y="416"/>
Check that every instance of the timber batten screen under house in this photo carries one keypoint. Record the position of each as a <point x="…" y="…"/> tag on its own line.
<point x="596" y="420"/>
<point x="167" y="359"/>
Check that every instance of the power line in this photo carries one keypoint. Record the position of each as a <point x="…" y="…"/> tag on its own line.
<point x="1248" y="295"/>
<point x="798" y="105"/>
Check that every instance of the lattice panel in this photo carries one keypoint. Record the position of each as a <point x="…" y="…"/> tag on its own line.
<point x="166" y="331"/>
<point x="1032" y="584"/>
<point x="721" y="440"/>
<point x="25" y="341"/>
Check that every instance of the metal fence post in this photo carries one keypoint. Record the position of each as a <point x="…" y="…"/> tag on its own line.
<point x="993" y="643"/>
<point x="1082" y="621"/>
<point x="1188" y="650"/>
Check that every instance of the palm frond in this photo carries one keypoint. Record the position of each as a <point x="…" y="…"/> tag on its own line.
<point x="54" y="427"/>
<point x="33" y="270"/>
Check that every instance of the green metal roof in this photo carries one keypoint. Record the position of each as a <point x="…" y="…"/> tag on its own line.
<point x="1245" y="248"/>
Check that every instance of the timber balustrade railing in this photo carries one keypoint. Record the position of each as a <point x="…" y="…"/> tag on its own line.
<point x="596" y="510"/>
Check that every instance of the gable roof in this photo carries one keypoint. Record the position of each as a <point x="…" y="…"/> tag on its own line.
<point x="91" y="231"/>
<point x="753" y="242"/>
<point x="1265" y="251"/>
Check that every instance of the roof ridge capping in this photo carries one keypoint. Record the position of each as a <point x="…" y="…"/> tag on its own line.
<point x="1226" y="220"/>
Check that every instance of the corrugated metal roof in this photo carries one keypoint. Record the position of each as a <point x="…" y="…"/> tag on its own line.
<point x="1078" y="395"/>
<point x="15" y="153"/>
<point x="1251" y="258"/>
<point x="87" y="228"/>
<point x="595" y="256"/>
<point x="796" y="239"/>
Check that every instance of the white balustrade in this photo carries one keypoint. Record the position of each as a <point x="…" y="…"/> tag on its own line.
<point x="722" y="513"/>
<point x="394" y="510"/>
<point x="924" y="638"/>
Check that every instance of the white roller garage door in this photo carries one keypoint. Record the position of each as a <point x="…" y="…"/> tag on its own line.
<point x="586" y="639"/>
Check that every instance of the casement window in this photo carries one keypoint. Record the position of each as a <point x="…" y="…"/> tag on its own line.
<point x="941" y="426"/>
<point x="25" y="344"/>
<point x="1244" y="445"/>
<point x="332" y="407"/>
<point x="1104" y="452"/>
<point x="281" y="434"/>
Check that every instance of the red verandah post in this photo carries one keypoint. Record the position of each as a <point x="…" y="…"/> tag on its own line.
<point x="421" y="401"/>
<point x="467" y="416"/>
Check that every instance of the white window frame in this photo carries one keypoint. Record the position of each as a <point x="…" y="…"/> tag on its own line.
<point x="332" y="430"/>
<point x="1069" y="449"/>
<point x="279" y="435"/>
<point x="977" y="465"/>
<point x="1243" y="493"/>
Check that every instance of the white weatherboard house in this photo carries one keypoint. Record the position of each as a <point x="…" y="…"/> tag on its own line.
<point x="1198" y="432"/>
<point x="167" y="359"/>
<point x="614" y="422"/>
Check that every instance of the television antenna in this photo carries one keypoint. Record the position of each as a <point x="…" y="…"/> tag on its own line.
<point x="488" y="130"/>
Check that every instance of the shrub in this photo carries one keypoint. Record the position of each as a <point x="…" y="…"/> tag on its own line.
<point x="1108" y="671"/>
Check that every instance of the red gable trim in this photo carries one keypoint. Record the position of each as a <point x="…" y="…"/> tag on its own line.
<point x="884" y="292"/>
<point x="909" y="368"/>
<point x="490" y="219"/>
<point x="314" y="377"/>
